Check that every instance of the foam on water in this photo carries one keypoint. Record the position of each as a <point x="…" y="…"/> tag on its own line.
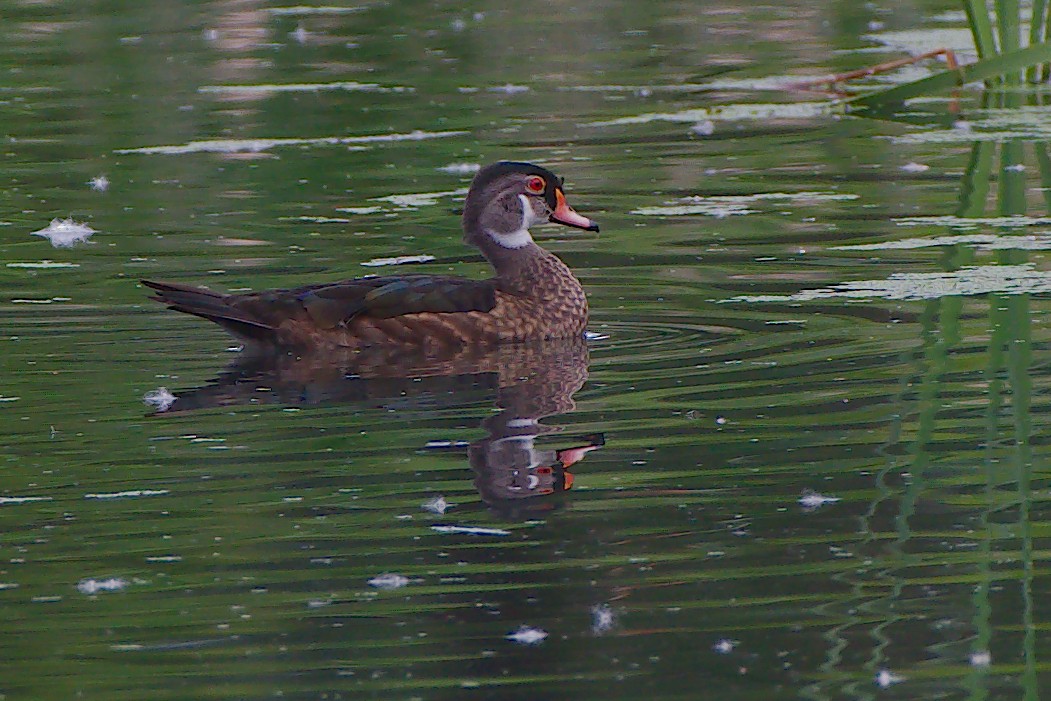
<point x="976" y="280"/>
<point x="732" y="113"/>
<point x="731" y="205"/>
<point x="258" y="145"/>
<point x="399" y="260"/>
<point x="266" y="89"/>
<point x="982" y="242"/>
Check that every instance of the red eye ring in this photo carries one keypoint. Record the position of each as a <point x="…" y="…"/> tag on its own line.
<point x="536" y="184"/>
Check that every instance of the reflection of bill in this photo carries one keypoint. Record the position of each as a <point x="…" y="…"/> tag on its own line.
<point x="514" y="467"/>
<point x="516" y="472"/>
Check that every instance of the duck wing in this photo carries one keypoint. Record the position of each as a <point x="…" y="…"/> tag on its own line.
<point x="386" y="298"/>
<point x="327" y="306"/>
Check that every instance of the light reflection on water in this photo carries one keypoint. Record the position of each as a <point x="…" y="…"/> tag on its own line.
<point x="800" y="455"/>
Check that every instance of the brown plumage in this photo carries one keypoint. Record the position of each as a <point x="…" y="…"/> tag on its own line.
<point x="532" y="295"/>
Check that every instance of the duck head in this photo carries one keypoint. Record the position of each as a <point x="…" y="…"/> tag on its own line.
<point x="508" y="197"/>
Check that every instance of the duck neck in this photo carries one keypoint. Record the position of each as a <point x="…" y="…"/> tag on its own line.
<point x="516" y="266"/>
<point x="531" y="271"/>
<point x="522" y="267"/>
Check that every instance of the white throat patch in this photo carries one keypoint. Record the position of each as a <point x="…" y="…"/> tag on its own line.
<point x="522" y="237"/>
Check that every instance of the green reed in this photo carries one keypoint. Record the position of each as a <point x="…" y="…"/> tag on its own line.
<point x="1002" y="59"/>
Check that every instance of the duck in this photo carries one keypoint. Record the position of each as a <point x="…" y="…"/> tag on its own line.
<point x="531" y="295"/>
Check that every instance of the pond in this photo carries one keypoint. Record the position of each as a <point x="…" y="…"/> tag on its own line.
<point x="798" y="455"/>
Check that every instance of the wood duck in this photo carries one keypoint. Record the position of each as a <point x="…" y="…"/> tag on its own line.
<point x="533" y="295"/>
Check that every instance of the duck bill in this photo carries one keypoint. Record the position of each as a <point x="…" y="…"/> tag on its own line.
<point x="564" y="214"/>
<point x="571" y="456"/>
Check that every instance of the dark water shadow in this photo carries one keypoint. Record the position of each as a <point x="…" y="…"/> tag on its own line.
<point x="516" y="477"/>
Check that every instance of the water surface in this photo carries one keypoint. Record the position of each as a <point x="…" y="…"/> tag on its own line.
<point x="800" y="455"/>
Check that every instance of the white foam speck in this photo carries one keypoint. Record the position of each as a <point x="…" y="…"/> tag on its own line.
<point x="389" y="581"/>
<point x="471" y="530"/>
<point x="526" y="635"/>
<point x="63" y="233"/>
<point x="811" y="500"/>
<point x="43" y="265"/>
<point x="461" y="168"/>
<point x="912" y="167"/>
<point x="160" y="399"/>
<point x="885" y="678"/>
<point x="705" y="128"/>
<point x="94" y="586"/>
<point x="21" y="500"/>
<point x="359" y="210"/>
<point x="602" y="619"/>
<point x="130" y="493"/>
<point x="318" y="220"/>
<point x="420" y="199"/>
<point x="725" y="646"/>
<point x="436" y="505"/>
<point x="509" y="89"/>
<point x="100" y="183"/>
<point x="300" y="35"/>
<point x="980" y="658"/>
<point x="399" y="260"/>
<point x="445" y="443"/>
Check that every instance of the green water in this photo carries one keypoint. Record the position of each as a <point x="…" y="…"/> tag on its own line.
<point x="814" y="395"/>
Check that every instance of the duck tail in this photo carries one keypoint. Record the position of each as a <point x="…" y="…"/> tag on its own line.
<point x="213" y="306"/>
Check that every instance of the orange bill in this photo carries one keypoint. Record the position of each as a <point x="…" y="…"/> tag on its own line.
<point x="564" y="214"/>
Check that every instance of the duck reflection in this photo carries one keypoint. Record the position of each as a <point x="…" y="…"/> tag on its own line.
<point x="514" y="475"/>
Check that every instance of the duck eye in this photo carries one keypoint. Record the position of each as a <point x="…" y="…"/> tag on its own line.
<point x="535" y="184"/>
